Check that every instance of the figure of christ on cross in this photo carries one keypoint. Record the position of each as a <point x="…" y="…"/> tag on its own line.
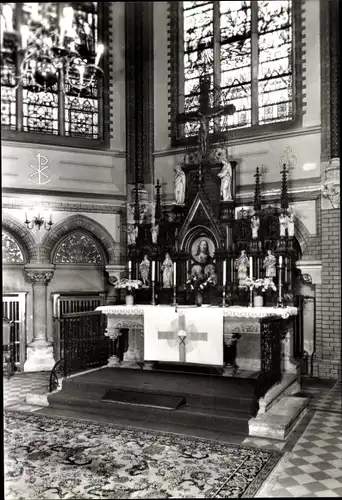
<point x="183" y="333"/>
<point x="204" y="114"/>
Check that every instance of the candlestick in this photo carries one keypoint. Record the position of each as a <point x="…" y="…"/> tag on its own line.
<point x="153" y="270"/>
<point x="280" y="297"/>
<point x="250" y="297"/>
<point x="153" y="303"/>
<point x="251" y="267"/>
<point x="224" y="273"/>
<point x="174" y="273"/>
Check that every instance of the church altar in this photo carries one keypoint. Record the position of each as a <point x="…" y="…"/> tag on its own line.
<point x="200" y="335"/>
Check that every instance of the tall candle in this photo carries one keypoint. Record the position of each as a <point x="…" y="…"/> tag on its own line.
<point x="129" y="265"/>
<point x="251" y="267"/>
<point x="224" y="272"/>
<point x="280" y="260"/>
<point x="153" y="270"/>
<point x="174" y="274"/>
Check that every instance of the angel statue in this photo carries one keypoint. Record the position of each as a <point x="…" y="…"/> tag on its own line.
<point x="242" y="265"/>
<point x="283" y="224"/>
<point x="145" y="270"/>
<point x="270" y="262"/>
<point x="226" y="181"/>
<point x="179" y="185"/>
<point x="167" y="267"/>
<point x="132" y="234"/>
<point x="290" y="225"/>
<point x="154" y="232"/>
<point x="255" y="224"/>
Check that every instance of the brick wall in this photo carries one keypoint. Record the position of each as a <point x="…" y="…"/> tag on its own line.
<point x="327" y="363"/>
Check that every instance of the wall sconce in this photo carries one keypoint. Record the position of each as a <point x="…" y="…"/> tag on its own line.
<point x="38" y="222"/>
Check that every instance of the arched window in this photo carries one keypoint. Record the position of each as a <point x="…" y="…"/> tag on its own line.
<point x="250" y="49"/>
<point x="11" y="251"/>
<point x="61" y="114"/>
<point x="78" y="248"/>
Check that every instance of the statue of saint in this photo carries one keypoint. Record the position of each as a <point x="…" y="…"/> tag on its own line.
<point x="226" y="181"/>
<point x="242" y="265"/>
<point x="283" y="224"/>
<point x="154" y="232"/>
<point x="145" y="270"/>
<point x="167" y="269"/>
<point x="132" y="234"/>
<point x="270" y="262"/>
<point x="202" y="255"/>
<point x="179" y="185"/>
<point x="210" y="273"/>
<point x="290" y="225"/>
<point x="255" y="223"/>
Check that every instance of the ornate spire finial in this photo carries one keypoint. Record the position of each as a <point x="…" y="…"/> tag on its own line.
<point x="257" y="194"/>
<point x="157" y="212"/>
<point x="284" y="196"/>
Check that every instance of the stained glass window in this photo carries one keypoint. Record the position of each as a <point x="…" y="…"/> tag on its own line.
<point x="56" y="111"/>
<point x="246" y="48"/>
<point x="78" y="248"/>
<point x="11" y="252"/>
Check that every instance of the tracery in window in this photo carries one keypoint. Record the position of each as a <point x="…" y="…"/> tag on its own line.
<point x="11" y="252"/>
<point x="246" y="48"/>
<point x="78" y="248"/>
<point x="62" y="109"/>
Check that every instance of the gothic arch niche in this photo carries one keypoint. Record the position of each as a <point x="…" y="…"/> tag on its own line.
<point x="12" y="252"/>
<point x="78" y="247"/>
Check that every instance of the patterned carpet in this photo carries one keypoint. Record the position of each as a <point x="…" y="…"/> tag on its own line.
<point x="63" y="458"/>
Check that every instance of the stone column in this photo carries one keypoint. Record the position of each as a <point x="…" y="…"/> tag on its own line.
<point x="40" y="350"/>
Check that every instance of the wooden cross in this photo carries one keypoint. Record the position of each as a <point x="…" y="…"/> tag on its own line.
<point x="181" y="329"/>
<point x="204" y="114"/>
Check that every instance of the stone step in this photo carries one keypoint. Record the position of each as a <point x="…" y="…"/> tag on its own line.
<point x="279" y="420"/>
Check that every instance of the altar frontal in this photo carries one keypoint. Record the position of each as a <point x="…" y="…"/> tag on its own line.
<point x="188" y="335"/>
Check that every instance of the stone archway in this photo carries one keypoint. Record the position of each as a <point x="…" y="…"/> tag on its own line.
<point x="301" y="234"/>
<point x="23" y="235"/>
<point x="73" y="223"/>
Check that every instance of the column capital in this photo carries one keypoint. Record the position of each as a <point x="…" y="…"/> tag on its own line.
<point x="38" y="273"/>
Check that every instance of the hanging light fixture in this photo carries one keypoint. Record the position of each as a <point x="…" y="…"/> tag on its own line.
<point x="51" y="48"/>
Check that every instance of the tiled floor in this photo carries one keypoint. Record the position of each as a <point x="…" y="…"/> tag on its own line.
<point x="313" y="466"/>
<point x="312" y="461"/>
<point x="17" y="387"/>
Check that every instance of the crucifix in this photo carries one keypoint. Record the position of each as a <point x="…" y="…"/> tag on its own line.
<point x="203" y="115"/>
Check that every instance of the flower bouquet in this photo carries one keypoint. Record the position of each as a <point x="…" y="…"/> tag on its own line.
<point x="198" y="283"/>
<point x="260" y="286"/>
<point x="129" y="285"/>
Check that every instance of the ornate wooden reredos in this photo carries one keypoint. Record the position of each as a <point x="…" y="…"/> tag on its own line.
<point x="225" y="228"/>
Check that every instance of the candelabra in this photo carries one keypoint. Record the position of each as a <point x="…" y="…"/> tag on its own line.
<point x="38" y="222"/>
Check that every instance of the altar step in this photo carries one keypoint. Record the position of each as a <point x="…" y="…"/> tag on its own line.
<point x="211" y="402"/>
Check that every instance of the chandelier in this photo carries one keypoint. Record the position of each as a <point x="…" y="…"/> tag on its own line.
<point x="54" y="45"/>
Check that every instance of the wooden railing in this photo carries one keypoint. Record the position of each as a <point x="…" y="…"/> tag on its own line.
<point x="83" y="345"/>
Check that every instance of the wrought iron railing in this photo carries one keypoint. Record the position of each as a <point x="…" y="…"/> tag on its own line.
<point x="271" y="331"/>
<point x="83" y="345"/>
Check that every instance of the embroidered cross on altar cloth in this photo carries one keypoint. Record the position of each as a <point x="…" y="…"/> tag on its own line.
<point x="190" y="335"/>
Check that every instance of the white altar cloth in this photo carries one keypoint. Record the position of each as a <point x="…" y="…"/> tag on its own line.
<point x="191" y="335"/>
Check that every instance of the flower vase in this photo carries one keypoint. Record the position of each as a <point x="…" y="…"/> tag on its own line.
<point x="258" y="301"/>
<point x="129" y="299"/>
<point x="199" y="299"/>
